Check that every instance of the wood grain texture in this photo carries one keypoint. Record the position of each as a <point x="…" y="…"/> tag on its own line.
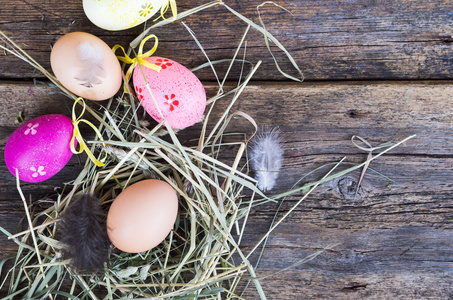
<point x="392" y="241"/>
<point x="381" y="70"/>
<point x="330" y="40"/>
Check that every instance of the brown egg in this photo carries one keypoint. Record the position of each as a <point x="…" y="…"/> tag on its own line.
<point x="142" y="216"/>
<point x="85" y="65"/>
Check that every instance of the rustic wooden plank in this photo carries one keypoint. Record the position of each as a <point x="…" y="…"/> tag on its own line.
<point x="379" y="111"/>
<point x="372" y="263"/>
<point x="329" y="40"/>
<point x="419" y="196"/>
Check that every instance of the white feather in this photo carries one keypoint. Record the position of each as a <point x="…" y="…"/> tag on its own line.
<point x="91" y="64"/>
<point x="266" y="157"/>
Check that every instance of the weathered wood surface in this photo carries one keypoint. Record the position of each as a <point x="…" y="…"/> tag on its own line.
<point x="330" y="40"/>
<point x="393" y="240"/>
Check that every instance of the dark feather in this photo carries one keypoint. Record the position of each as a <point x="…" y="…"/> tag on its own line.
<point x="84" y="232"/>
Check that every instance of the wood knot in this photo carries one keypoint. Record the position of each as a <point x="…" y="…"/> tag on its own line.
<point x="353" y="113"/>
<point x="347" y="187"/>
<point x="354" y="286"/>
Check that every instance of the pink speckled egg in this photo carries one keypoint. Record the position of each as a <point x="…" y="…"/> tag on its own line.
<point x="178" y="92"/>
<point x="39" y="148"/>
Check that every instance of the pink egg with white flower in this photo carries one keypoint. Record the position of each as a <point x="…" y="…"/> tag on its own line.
<point x="179" y="94"/>
<point x="39" y="148"/>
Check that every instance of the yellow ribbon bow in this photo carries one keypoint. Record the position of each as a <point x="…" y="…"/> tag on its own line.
<point x="164" y="8"/>
<point x="76" y="135"/>
<point x="140" y="58"/>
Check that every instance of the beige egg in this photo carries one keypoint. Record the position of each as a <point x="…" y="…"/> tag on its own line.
<point x="142" y="216"/>
<point x="85" y="65"/>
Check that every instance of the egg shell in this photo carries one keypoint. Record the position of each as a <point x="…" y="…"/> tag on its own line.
<point x="120" y="15"/>
<point x="178" y="92"/>
<point x="142" y="215"/>
<point x="39" y="148"/>
<point x="86" y="66"/>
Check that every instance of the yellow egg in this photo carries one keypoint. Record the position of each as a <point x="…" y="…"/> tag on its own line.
<point x="142" y="216"/>
<point x="86" y="66"/>
<point x="119" y="15"/>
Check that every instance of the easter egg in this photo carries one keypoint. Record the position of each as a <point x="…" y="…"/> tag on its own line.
<point x="119" y="15"/>
<point x="179" y="94"/>
<point x="142" y="215"/>
<point x="86" y="66"/>
<point x="39" y="148"/>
